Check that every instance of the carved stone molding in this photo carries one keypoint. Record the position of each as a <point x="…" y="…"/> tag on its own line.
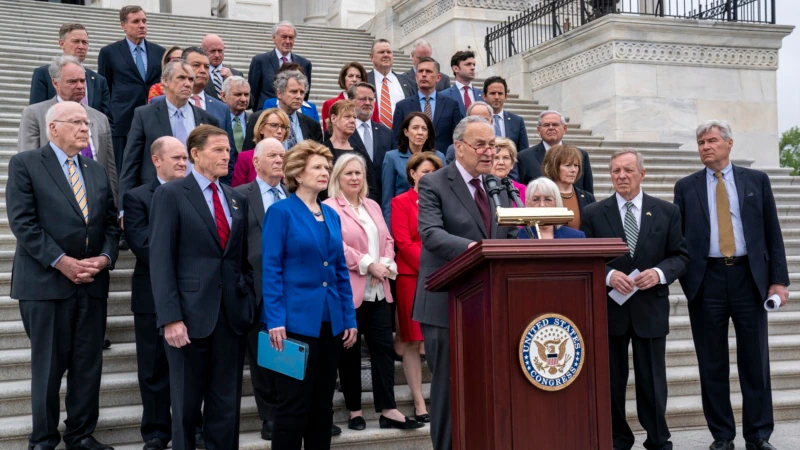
<point x="512" y="5"/>
<point x="638" y="52"/>
<point x="440" y="7"/>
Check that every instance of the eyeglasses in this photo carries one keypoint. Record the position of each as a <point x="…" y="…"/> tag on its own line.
<point x="482" y="148"/>
<point x="76" y="122"/>
<point x="275" y="126"/>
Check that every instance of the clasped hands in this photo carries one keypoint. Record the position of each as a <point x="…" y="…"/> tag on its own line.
<point x="379" y="272"/>
<point x="81" y="271"/>
<point x="278" y="334"/>
<point x="625" y="284"/>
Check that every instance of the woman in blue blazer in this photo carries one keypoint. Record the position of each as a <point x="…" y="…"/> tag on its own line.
<point x="416" y="136"/>
<point x="307" y="297"/>
<point x="543" y="193"/>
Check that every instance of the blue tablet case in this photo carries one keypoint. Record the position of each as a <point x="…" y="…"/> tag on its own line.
<point x="290" y="362"/>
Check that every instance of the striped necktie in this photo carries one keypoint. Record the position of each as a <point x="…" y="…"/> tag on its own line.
<point x="217" y="78"/>
<point x="428" y="108"/>
<point x="631" y="228"/>
<point x="386" y="104"/>
<point x="77" y="189"/>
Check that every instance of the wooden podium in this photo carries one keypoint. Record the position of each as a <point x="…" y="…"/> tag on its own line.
<point x="497" y="288"/>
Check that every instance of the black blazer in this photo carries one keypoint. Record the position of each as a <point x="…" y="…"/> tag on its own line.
<point x="762" y="229"/>
<point x="584" y="198"/>
<point x="193" y="277"/>
<point x="381" y="143"/>
<point x="261" y="76"/>
<point x="529" y="163"/>
<point x="150" y="122"/>
<point x="136" y="204"/>
<point x="255" y="222"/>
<point x="445" y="118"/>
<point x="96" y="88"/>
<point x="45" y="218"/>
<point x="659" y="244"/>
<point x="311" y="128"/>
<point x="128" y="90"/>
<point x="211" y="90"/>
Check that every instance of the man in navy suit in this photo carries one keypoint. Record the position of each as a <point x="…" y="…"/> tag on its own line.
<point x="173" y="116"/>
<point x="170" y="160"/>
<point x="736" y="261"/>
<point x="214" y="47"/>
<point x="506" y="123"/>
<point x="130" y="67"/>
<point x="463" y="65"/>
<point x="375" y="139"/>
<point x="203" y="291"/>
<point x="423" y="49"/>
<point x="264" y="67"/>
<point x="444" y="111"/>
<point x="74" y="41"/>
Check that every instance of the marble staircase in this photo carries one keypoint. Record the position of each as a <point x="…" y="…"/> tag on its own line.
<point x="28" y="32"/>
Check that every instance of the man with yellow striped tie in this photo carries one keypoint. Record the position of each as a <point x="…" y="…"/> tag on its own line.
<point x="61" y="210"/>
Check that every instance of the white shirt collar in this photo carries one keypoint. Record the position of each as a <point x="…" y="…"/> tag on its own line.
<point x="160" y="180"/>
<point x="280" y="55"/>
<point x="501" y="114"/>
<point x="637" y="201"/>
<point x="264" y="187"/>
<point x="466" y="175"/>
<point x="725" y="172"/>
<point x="379" y="77"/>
<point x="359" y="123"/>
<point x="461" y="86"/>
<point x="547" y="146"/>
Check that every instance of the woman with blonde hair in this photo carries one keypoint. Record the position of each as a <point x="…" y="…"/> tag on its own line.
<point x="504" y="160"/>
<point x="272" y="123"/>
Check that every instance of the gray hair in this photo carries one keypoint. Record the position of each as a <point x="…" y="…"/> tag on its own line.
<point x="281" y="24"/>
<point x="334" y="189"/>
<point x="420" y="43"/>
<point x="461" y="128"/>
<point x="233" y="81"/>
<point x="544" y="113"/>
<point x="721" y="125"/>
<point x="50" y="116"/>
<point x="546" y="186"/>
<point x="480" y="103"/>
<point x="263" y="143"/>
<point x="58" y="64"/>
<point x="351" y="91"/>
<point x="169" y="70"/>
<point x="380" y="41"/>
<point x="628" y="151"/>
<point x="282" y="79"/>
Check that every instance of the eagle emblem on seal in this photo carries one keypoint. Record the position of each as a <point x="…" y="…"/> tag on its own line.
<point x="553" y="352"/>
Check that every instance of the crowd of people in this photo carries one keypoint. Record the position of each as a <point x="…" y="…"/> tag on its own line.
<point x="247" y="215"/>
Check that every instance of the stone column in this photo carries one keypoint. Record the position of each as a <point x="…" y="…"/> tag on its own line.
<point x="316" y="12"/>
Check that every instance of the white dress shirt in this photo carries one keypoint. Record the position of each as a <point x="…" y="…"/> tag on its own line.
<point x="501" y="119"/>
<point x="637" y="214"/>
<point x="209" y="196"/>
<point x="363" y="131"/>
<point x="266" y="196"/>
<point x="202" y="95"/>
<point x="467" y="178"/>
<point x="470" y="91"/>
<point x="372" y="293"/>
<point x="548" y="147"/>
<point x="281" y="55"/>
<point x="395" y="89"/>
<point x="736" y="214"/>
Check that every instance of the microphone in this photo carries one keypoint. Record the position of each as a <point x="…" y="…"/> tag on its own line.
<point x="494" y="189"/>
<point x="513" y="192"/>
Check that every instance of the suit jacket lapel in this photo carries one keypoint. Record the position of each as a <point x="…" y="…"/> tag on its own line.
<point x="89" y="86"/>
<point x="162" y="117"/>
<point x="123" y="48"/>
<point x="648" y="205"/>
<point x="437" y="112"/>
<point x="198" y="119"/>
<point x="740" y="179"/>
<point x="273" y="59"/>
<point x="462" y="192"/>
<point x="236" y="213"/>
<point x="89" y="186"/>
<point x="614" y="220"/>
<point x="50" y="162"/>
<point x="349" y="211"/>
<point x="197" y="200"/>
<point x="701" y="188"/>
<point x="540" y="152"/>
<point x="256" y="202"/>
<point x="152" y="60"/>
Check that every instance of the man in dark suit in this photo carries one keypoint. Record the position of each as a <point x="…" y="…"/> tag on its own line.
<point x="651" y="228"/>
<point x="463" y="65"/>
<point x="215" y="49"/>
<point x="264" y="67"/>
<point x="236" y="94"/>
<point x="552" y="127"/>
<point x="74" y="41"/>
<point x="203" y="291"/>
<point x="173" y="116"/>
<point x="265" y="190"/>
<point x="444" y="111"/>
<point x="423" y="49"/>
<point x="455" y="213"/>
<point x="372" y="138"/>
<point x="61" y="211"/>
<point x="130" y="67"/>
<point x="290" y="87"/>
<point x="506" y="123"/>
<point x="736" y="260"/>
<point x="169" y="158"/>
<point x="391" y="87"/>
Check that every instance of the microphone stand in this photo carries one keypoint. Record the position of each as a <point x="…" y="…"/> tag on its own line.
<point x="514" y="193"/>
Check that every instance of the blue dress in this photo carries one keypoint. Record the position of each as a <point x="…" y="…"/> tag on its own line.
<point x="308" y="109"/>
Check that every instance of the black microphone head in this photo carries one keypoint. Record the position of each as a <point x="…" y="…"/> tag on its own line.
<point x="491" y="182"/>
<point x="506" y="181"/>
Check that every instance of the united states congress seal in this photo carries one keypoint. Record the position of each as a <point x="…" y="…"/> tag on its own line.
<point x="551" y="352"/>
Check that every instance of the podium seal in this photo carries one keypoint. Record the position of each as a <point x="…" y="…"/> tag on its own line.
<point x="551" y="352"/>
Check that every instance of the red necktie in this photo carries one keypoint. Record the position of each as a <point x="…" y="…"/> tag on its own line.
<point x="223" y="229"/>
<point x="467" y="101"/>
<point x="483" y="205"/>
<point x="196" y="99"/>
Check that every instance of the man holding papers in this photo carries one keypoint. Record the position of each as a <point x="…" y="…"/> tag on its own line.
<point x="657" y="257"/>
<point x="737" y="261"/>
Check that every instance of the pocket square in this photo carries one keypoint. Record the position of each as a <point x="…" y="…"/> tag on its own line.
<point x="751" y="194"/>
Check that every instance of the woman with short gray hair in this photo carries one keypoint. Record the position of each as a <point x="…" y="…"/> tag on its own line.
<point x="543" y="193"/>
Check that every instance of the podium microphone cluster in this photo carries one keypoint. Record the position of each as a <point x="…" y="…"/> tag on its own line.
<point x="513" y="192"/>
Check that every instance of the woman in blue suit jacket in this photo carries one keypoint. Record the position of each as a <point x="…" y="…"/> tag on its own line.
<point x="543" y="193"/>
<point x="416" y="136"/>
<point x="307" y="296"/>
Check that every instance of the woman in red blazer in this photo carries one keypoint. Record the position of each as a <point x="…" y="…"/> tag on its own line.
<point x="369" y="255"/>
<point x="350" y="74"/>
<point x="405" y="213"/>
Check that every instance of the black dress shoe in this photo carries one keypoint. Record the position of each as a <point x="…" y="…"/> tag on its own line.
<point x="422" y="418"/>
<point x="722" y="444"/>
<point x="335" y="430"/>
<point x="106" y="344"/>
<point x="409" y="424"/>
<point x="41" y="447"/>
<point x="357" y="423"/>
<point x="760" y="444"/>
<point x="199" y="442"/>
<point x="90" y="443"/>
<point x="154" y="444"/>
<point x="123" y="244"/>
<point x="266" y="430"/>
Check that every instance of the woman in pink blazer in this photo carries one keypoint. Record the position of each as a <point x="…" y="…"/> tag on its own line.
<point x="369" y="254"/>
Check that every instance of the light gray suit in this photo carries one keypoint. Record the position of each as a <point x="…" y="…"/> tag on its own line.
<point x="33" y="134"/>
<point x="448" y="222"/>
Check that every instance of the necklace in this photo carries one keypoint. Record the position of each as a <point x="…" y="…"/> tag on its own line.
<point x="317" y="214"/>
<point x="568" y="196"/>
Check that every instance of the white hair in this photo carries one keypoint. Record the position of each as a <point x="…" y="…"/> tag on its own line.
<point x="281" y="24"/>
<point x="545" y="186"/>
<point x="723" y="127"/>
<point x="420" y="43"/>
<point x="233" y="81"/>
<point x="262" y="144"/>
<point x="544" y="113"/>
<point x="50" y="116"/>
<point x="461" y="128"/>
<point x="628" y="151"/>
<point x="480" y="103"/>
<point x="58" y="64"/>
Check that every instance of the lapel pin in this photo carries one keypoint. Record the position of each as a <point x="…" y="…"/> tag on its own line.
<point x="93" y="78"/>
<point x="649" y="214"/>
<point x="235" y="208"/>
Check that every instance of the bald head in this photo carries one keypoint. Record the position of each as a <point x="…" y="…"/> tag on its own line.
<point x="214" y="48"/>
<point x="268" y="160"/>
<point x="68" y="127"/>
<point x="169" y="157"/>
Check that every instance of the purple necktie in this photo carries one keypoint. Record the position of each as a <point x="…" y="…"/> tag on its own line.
<point x="482" y="202"/>
<point x="87" y="152"/>
<point x="85" y="101"/>
<point x="283" y="60"/>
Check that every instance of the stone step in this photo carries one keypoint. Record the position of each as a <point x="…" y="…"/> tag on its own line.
<point x="119" y="304"/>
<point x="680" y="352"/>
<point x="12" y="333"/>
<point x="780" y="323"/>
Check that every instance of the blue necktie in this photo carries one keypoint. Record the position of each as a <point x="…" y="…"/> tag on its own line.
<point x="140" y="61"/>
<point x="497" y="130"/>
<point x="276" y="194"/>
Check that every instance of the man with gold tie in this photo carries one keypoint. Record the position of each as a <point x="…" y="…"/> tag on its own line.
<point x="736" y="260"/>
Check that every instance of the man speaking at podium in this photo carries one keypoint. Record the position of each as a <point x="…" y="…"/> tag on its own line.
<point x="455" y="213"/>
